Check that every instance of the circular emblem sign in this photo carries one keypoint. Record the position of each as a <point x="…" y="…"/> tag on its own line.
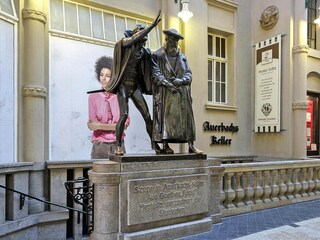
<point x="269" y="17"/>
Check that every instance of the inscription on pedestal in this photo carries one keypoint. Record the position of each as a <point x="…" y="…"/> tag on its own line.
<point x="164" y="198"/>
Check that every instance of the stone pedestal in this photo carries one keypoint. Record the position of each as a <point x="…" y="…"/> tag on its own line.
<point x="155" y="196"/>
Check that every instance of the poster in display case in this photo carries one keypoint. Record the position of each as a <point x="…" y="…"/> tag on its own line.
<point x="268" y="85"/>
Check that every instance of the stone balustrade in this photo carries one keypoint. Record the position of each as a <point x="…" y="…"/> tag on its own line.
<point x="254" y="186"/>
<point x="246" y="186"/>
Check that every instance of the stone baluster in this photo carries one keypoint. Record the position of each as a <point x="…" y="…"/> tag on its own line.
<point x="290" y="186"/>
<point x="2" y="199"/>
<point x="274" y="186"/>
<point x="258" y="190"/>
<point x="282" y="186"/>
<point x="222" y="198"/>
<point x="77" y="228"/>
<point x="296" y="183"/>
<point x="229" y="192"/>
<point x="310" y="181"/>
<point x="238" y="190"/>
<point x="316" y="180"/>
<point x="266" y="187"/>
<point x="248" y="190"/>
<point x="222" y="194"/>
<point x="304" y="183"/>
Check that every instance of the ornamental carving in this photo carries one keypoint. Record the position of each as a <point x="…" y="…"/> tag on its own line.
<point x="269" y="17"/>
<point x="301" y="49"/>
<point x="300" y="105"/>
<point x="35" y="91"/>
<point x="34" y="15"/>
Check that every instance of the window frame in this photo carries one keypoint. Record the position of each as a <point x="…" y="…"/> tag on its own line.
<point x="6" y="16"/>
<point x="214" y="59"/>
<point x="14" y="21"/>
<point x="103" y="41"/>
<point x="312" y="10"/>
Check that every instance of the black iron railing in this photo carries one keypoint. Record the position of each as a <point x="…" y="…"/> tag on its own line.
<point x="82" y="195"/>
<point x="23" y="195"/>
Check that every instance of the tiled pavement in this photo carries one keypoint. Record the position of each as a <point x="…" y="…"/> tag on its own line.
<point x="276" y="223"/>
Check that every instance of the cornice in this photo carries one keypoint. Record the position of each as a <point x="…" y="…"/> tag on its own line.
<point x="226" y="4"/>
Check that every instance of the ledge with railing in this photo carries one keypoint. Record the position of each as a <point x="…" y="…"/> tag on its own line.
<point x="254" y="186"/>
<point x="246" y="186"/>
<point x="34" y="199"/>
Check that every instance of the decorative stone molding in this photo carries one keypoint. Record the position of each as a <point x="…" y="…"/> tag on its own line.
<point x="269" y="17"/>
<point x="221" y="107"/>
<point x="313" y="74"/>
<point x="81" y="38"/>
<point x="224" y="4"/>
<point x="104" y="178"/>
<point x="34" y="15"/>
<point x="300" y="105"/>
<point x="35" y="91"/>
<point x="300" y="49"/>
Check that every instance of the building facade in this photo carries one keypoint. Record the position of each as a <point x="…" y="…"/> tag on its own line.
<point x="255" y="92"/>
<point x="48" y="50"/>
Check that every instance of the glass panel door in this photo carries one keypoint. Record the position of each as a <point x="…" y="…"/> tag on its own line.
<point x="312" y="122"/>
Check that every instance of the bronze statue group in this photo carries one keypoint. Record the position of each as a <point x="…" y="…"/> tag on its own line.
<point x="166" y="75"/>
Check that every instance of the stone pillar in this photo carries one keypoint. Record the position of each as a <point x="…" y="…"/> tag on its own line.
<point x="171" y="19"/>
<point x="299" y="105"/>
<point x="34" y="90"/>
<point x="18" y="181"/>
<point x="106" y="178"/>
<point x="215" y="187"/>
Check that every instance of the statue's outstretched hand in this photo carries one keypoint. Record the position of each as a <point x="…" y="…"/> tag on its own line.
<point x="157" y="19"/>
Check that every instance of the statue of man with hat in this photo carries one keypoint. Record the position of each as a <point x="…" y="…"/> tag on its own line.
<point x="130" y="77"/>
<point x="173" y="120"/>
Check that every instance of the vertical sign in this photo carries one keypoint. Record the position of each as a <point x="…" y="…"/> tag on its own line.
<point x="268" y="85"/>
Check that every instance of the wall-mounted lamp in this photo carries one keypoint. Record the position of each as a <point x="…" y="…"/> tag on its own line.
<point x="317" y="20"/>
<point x="185" y="14"/>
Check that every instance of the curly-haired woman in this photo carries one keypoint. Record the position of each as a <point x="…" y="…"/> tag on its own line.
<point x="103" y="114"/>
